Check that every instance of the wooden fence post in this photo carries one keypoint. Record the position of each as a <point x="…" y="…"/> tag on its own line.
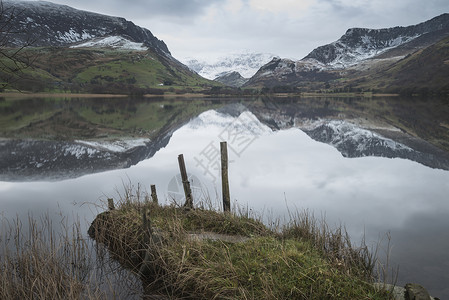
<point x="224" y="177"/>
<point x="146" y="226"/>
<point x="147" y="239"/>
<point x="111" y="204"/>
<point x="154" y="194"/>
<point x="185" y="182"/>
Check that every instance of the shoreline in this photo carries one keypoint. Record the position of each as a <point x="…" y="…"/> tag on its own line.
<point x="192" y="95"/>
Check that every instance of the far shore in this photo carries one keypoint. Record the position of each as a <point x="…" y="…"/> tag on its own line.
<point x="59" y="95"/>
<point x="18" y="95"/>
<point x="86" y="95"/>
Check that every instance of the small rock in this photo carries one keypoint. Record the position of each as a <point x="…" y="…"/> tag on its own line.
<point x="415" y="291"/>
<point x="409" y="292"/>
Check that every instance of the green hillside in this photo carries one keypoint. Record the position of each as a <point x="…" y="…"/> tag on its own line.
<point x="104" y="71"/>
<point x="423" y="72"/>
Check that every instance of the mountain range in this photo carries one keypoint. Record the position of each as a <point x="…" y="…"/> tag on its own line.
<point x="361" y="56"/>
<point x="79" y="51"/>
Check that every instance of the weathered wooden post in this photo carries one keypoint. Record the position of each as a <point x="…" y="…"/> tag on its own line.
<point x="185" y="182"/>
<point x="154" y="194"/>
<point x="111" y="204"/>
<point x="147" y="239"/>
<point x="224" y="177"/>
<point x="146" y="226"/>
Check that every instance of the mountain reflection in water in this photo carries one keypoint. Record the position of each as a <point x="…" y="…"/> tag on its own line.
<point x="41" y="159"/>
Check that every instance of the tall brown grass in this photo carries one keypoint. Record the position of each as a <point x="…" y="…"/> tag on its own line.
<point x="43" y="260"/>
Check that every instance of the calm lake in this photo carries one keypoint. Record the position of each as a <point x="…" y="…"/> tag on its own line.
<point x="355" y="162"/>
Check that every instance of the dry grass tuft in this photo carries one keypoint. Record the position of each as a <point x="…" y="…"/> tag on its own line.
<point x="42" y="260"/>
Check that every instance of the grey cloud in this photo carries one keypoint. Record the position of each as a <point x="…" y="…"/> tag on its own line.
<point x="139" y="8"/>
<point x="180" y="8"/>
<point x="185" y="24"/>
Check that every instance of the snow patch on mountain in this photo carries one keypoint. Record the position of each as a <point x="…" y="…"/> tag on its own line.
<point x="247" y="64"/>
<point x="114" y="42"/>
<point x="79" y="151"/>
<point x="72" y="36"/>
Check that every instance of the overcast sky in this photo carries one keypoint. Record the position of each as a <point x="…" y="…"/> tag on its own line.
<point x="287" y="28"/>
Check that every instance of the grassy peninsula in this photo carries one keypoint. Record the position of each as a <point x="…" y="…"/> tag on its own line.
<point x="205" y="254"/>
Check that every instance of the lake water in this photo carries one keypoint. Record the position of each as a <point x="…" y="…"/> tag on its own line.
<point x="273" y="172"/>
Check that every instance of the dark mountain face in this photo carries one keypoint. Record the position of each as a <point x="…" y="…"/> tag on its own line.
<point x="49" y="24"/>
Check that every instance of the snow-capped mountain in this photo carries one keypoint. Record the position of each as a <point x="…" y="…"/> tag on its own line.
<point x="49" y="24"/>
<point x="357" y="46"/>
<point x="246" y="64"/>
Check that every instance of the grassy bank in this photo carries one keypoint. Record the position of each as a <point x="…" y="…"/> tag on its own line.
<point x="205" y="254"/>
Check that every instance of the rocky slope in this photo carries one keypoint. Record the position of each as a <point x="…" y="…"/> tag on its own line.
<point x="358" y="52"/>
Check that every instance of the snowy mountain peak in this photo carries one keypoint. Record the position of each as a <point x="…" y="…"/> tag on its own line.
<point x="246" y="64"/>
<point x="358" y="44"/>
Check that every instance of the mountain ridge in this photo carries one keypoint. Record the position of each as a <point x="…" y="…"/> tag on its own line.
<point x="368" y="43"/>
<point x="359" y="53"/>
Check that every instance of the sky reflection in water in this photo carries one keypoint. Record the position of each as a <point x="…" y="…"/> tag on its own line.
<point x="277" y="172"/>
